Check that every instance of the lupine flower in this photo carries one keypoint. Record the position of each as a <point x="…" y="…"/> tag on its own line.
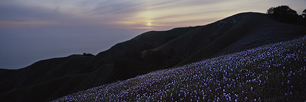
<point x="243" y="73"/>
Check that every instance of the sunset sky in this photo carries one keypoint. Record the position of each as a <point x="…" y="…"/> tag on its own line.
<point x="128" y="14"/>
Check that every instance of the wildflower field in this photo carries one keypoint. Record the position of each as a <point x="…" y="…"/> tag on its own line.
<point x="275" y="72"/>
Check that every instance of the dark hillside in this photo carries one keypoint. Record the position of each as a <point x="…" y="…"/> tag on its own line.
<point x="150" y="51"/>
<point x="56" y="77"/>
<point x="141" y="42"/>
<point x="247" y="31"/>
<point x="270" y="73"/>
<point x="25" y="81"/>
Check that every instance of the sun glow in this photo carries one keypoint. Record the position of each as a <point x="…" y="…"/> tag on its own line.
<point x="149" y="24"/>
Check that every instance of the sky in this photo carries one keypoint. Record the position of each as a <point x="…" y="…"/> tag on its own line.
<point x="128" y="14"/>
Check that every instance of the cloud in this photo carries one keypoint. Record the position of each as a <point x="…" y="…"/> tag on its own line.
<point x="113" y="7"/>
<point x="37" y="16"/>
<point x="125" y="13"/>
<point x="105" y="14"/>
<point x="22" y="13"/>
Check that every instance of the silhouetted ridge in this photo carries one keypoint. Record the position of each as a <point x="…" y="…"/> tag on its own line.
<point x="147" y="52"/>
<point x="273" y="72"/>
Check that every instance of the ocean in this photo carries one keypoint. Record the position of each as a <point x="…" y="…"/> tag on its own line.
<point x="22" y="47"/>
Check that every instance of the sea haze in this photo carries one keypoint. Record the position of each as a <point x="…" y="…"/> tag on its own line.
<point x="22" y="47"/>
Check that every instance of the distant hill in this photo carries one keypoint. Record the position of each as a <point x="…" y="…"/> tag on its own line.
<point x="155" y="50"/>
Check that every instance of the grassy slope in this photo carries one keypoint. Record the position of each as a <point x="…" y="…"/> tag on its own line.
<point x="42" y="91"/>
<point x="24" y="82"/>
<point x="59" y="73"/>
<point x="141" y="42"/>
<point x="273" y="72"/>
<point x="188" y="44"/>
<point x="236" y="33"/>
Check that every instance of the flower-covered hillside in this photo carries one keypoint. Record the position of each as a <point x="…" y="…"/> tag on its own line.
<point x="275" y="72"/>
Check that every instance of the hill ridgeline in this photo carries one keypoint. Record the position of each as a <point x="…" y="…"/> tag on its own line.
<point x="157" y="50"/>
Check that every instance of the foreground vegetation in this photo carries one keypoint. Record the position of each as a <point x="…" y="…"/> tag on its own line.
<point x="274" y="72"/>
<point x="151" y="51"/>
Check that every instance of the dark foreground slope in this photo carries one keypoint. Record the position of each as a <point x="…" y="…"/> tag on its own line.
<point x="271" y="73"/>
<point x="53" y="78"/>
<point x="155" y="50"/>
